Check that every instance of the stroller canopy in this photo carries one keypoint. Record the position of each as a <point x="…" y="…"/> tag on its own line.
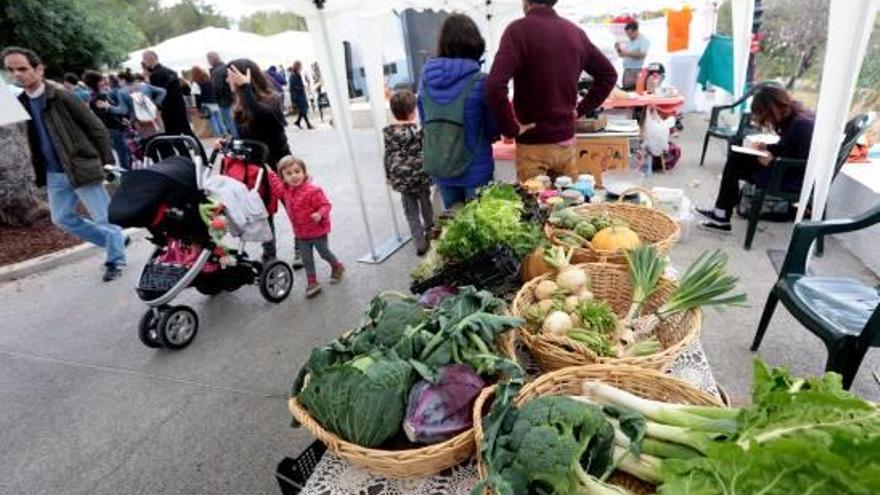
<point x="140" y="193"/>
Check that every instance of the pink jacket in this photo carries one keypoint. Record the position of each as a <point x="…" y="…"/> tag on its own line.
<point x="300" y="202"/>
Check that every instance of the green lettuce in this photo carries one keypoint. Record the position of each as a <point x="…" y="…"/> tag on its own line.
<point x="800" y="436"/>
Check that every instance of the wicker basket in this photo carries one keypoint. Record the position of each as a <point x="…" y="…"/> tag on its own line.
<point x="653" y="227"/>
<point x="610" y="283"/>
<point x="649" y="384"/>
<point x="399" y="464"/>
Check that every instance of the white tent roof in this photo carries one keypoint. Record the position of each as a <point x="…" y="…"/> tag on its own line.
<point x="569" y="8"/>
<point x="182" y="52"/>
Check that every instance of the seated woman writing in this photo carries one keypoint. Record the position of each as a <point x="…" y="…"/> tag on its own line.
<point x="772" y="108"/>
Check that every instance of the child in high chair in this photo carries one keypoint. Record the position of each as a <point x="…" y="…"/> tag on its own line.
<point x="309" y="211"/>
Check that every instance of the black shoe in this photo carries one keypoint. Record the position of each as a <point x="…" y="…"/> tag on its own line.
<point x="298" y="263"/>
<point x="709" y="214"/>
<point x="112" y="272"/>
<point x="716" y="226"/>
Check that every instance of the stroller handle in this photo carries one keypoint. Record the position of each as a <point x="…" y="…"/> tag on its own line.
<point x="257" y="151"/>
<point x="197" y="153"/>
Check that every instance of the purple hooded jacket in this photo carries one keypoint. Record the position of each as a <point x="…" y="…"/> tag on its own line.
<point x="445" y="79"/>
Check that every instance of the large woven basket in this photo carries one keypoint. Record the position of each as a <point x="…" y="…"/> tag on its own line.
<point x="610" y="283"/>
<point x="653" y="227"/>
<point x="648" y="384"/>
<point x="399" y="464"/>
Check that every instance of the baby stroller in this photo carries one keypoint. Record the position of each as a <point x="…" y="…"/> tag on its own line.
<point x="169" y="198"/>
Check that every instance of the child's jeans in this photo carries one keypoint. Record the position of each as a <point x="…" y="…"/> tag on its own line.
<point x="419" y="214"/>
<point x="322" y="245"/>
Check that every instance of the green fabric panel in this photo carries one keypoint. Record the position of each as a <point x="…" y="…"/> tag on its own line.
<point x="716" y="64"/>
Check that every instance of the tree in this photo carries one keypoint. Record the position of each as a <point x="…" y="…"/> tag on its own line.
<point x="66" y="34"/>
<point x="795" y="32"/>
<point x="160" y="23"/>
<point x="268" y="23"/>
<point x="19" y="206"/>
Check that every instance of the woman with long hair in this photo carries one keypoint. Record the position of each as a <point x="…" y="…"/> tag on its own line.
<point x="455" y="76"/>
<point x="208" y="100"/>
<point x="257" y="111"/>
<point x="113" y="113"/>
<point x="775" y="110"/>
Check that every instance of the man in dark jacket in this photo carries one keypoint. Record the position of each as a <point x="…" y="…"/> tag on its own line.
<point x="69" y="148"/>
<point x="222" y="91"/>
<point x="545" y="55"/>
<point x="173" y="106"/>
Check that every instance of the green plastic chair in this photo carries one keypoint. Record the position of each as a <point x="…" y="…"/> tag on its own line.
<point x="780" y="167"/>
<point x="818" y="303"/>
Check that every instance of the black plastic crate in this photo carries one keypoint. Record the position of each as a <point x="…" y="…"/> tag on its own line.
<point x="292" y="474"/>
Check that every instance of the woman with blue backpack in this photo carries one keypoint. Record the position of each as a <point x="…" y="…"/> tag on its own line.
<point x="458" y="128"/>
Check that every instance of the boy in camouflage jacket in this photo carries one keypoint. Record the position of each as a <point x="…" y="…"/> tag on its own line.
<point x="403" y="168"/>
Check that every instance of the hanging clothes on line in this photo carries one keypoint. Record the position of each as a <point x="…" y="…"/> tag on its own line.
<point x="678" y="25"/>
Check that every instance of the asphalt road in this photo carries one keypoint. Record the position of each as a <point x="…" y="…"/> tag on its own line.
<point x="85" y="409"/>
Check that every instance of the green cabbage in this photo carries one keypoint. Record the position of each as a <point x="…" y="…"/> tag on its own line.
<point x="363" y="400"/>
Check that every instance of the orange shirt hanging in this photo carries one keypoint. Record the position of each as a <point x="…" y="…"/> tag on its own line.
<point x="678" y="24"/>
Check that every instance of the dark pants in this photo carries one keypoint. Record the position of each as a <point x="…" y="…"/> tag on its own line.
<point x="120" y="146"/>
<point x="270" y="249"/>
<point x="453" y="195"/>
<point x="302" y="105"/>
<point x="738" y="167"/>
<point x="419" y="214"/>
<point x="306" y="249"/>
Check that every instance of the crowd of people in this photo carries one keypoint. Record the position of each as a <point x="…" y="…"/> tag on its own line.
<point x="442" y="134"/>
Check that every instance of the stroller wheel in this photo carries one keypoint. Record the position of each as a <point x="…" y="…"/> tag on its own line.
<point x="177" y="327"/>
<point x="148" y="329"/>
<point x="276" y="281"/>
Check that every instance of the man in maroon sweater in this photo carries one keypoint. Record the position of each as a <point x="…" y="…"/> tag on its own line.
<point x="545" y="55"/>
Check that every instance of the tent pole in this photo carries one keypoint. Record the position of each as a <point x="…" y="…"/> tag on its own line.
<point x="343" y="119"/>
<point x="370" y="31"/>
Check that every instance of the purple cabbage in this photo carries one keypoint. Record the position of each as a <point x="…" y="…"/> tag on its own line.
<point x="435" y="295"/>
<point x="437" y="412"/>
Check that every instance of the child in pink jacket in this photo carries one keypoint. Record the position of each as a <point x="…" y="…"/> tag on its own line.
<point x="309" y="212"/>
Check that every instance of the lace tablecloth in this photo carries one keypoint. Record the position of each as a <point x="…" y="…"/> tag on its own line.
<point x="335" y="476"/>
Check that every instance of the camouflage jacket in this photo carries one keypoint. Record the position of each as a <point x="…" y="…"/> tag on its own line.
<point x="403" y="159"/>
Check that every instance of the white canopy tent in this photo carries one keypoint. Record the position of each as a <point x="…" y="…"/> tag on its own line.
<point x="850" y="23"/>
<point x="184" y="51"/>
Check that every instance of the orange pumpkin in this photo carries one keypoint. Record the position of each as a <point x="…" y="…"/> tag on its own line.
<point x="615" y="238"/>
<point x="534" y="265"/>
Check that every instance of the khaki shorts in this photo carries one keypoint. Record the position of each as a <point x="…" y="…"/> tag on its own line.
<point x="545" y="159"/>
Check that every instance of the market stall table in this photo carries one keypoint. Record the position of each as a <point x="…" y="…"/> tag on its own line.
<point x="335" y="476"/>
<point x="857" y="188"/>
<point x="668" y="105"/>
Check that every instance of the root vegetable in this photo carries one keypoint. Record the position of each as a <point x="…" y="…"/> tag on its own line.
<point x="557" y="323"/>
<point x="585" y="295"/>
<point x="546" y="290"/>
<point x="571" y="279"/>
<point x="571" y="303"/>
<point x="546" y="305"/>
<point x="575" y="319"/>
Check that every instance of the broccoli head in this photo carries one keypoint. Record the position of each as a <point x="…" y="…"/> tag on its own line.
<point x="552" y="443"/>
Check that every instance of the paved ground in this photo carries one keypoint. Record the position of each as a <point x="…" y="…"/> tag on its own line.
<point x="85" y="409"/>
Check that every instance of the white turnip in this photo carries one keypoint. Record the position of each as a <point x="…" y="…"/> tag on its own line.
<point x="546" y="290"/>
<point x="557" y="323"/>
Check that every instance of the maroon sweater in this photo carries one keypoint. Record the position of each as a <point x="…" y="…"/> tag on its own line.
<point x="545" y="55"/>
